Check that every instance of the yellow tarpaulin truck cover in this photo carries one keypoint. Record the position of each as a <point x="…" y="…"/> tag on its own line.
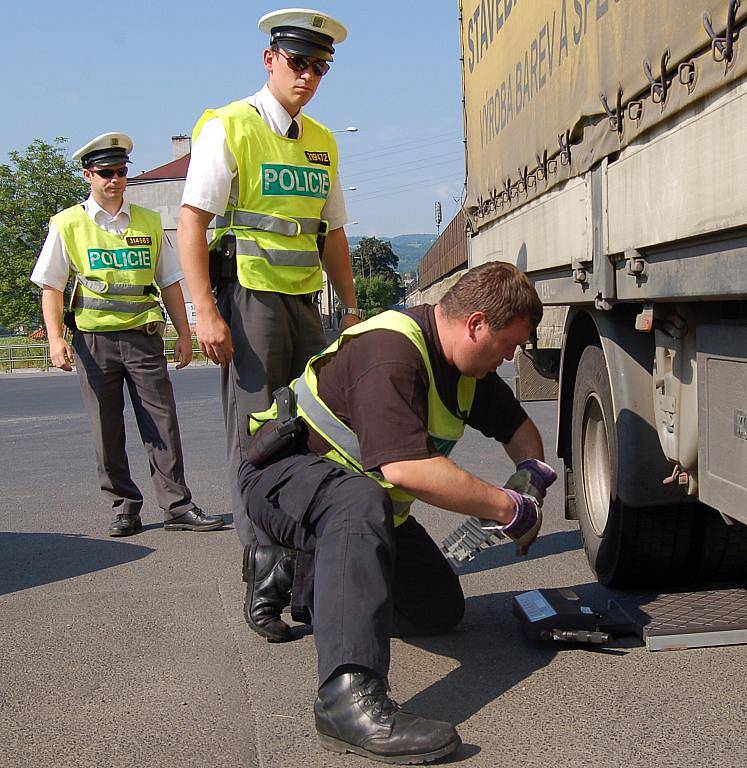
<point x="537" y="73"/>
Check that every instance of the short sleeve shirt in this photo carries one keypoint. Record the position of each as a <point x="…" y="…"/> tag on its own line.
<point x="377" y="384"/>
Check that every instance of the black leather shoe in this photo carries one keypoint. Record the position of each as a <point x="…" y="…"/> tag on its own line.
<point x="125" y="525"/>
<point x="268" y="573"/>
<point x="194" y="520"/>
<point x="354" y="714"/>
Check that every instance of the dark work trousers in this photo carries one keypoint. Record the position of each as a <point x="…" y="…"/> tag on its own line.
<point x="105" y="362"/>
<point x="273" y="336"/>
<point x="359" y="579"/>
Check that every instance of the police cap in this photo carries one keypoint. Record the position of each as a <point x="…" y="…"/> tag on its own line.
<point x="303" y="31"/>
<point x="107" y="149"/>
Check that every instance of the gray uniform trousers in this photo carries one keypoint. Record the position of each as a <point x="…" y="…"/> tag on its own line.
<point x="105" y="361"/>
<point x="359" y="580"/>
<point x="273" y="336"/>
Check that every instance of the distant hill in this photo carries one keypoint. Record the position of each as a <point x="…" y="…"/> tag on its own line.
<point x="409" y="248"/>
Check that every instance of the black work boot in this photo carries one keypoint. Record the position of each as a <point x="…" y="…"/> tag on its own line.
<point x="268" y="573"/>
<point x="354" y="714"/>
<point x="125" y="525"/>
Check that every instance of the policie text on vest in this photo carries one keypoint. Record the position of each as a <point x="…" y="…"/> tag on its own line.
<point x="119" y="258"/>
<point x="278" y="179"/>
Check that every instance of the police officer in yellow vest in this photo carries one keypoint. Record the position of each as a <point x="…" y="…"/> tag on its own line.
<point x="380" y="411"/>
<point x="122" y="264"/>
<point x="268" y="173"/>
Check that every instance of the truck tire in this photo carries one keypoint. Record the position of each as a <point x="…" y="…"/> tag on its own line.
<point x="625" y="546"/>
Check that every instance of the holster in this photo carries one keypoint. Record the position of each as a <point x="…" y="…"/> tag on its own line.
<point x="222" y="263"/>
<point x="321" y="238"/>
<point x="280" y="437"/>
<point x="68" y="318"/>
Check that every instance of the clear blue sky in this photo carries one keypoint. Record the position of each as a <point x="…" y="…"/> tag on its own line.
<point x="149" y="68"/>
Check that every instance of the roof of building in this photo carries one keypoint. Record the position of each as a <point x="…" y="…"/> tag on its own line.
<point x="176" y="169"/>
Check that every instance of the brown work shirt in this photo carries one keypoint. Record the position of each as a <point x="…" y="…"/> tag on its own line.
<point x="377" y="384"/>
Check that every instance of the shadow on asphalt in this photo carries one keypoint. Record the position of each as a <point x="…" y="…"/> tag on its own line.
<point x="465" y="751"/>
<point x="493" y="656"/>
<point x="505" y="554"/>
<point x="32" y="559"/>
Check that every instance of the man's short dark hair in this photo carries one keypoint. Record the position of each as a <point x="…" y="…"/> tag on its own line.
<point x="498" y="290"/>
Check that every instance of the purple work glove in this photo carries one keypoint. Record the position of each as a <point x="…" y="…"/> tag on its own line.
<point x="532" y="477"/>
<point x="525" y="526"/>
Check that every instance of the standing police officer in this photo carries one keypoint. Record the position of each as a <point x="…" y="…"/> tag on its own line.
<point x="268" y="173"/>
<point x="120" y="258"/>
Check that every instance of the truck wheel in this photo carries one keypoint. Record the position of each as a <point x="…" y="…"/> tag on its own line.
<point x="625" y="546"/>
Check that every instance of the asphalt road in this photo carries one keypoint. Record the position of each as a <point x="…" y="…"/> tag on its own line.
<point x="134" y="652"/>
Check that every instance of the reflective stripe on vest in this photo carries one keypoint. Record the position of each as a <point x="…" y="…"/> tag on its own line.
<point x="269" y="223"/>
<point x="111" y="305"/>
<point x="277" y="257"/>
<point x="114" y="289"/>
<point x="326" y="420"/>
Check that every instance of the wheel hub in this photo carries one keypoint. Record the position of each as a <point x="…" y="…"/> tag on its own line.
<point x="596" y="464"/>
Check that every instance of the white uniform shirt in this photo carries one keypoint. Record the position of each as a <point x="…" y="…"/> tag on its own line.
<point x="212" y="178"/>
<point x="53" y="266"/>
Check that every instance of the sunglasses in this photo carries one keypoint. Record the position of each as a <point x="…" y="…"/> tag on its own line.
<point x="109" y="173"/>
<point x="301" y="63"/>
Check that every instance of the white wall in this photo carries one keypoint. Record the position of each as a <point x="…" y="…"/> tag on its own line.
<point x="162" y="196"/>
<point x="165" y="197"/>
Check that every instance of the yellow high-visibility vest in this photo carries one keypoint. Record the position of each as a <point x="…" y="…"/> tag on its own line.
<point x="114" y="288"/>
<point x="444" y="427"/>
<point x="283" y="185"/>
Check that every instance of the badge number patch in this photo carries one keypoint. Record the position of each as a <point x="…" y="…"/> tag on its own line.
<point x="294" y="180"/>
<point x="119" y="258"/>
<point x="319" y="158"/>
<point x="139" y="240"/>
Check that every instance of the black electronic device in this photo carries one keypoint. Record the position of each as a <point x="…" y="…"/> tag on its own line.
<point x="559" y="615"/>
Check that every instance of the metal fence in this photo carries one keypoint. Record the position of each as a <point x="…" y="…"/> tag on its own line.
<point x="447" y="254"/>
<point x="15" y="356"/>
<point x="36" y="355"/>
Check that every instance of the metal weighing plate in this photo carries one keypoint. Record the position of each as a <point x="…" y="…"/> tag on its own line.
<point x="689" y="619"/>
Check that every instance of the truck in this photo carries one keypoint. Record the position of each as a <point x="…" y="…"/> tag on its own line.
<point x="606" y="156"/>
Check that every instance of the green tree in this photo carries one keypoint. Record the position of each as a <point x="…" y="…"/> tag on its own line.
<point x="375" y="257"/>
<point x="34" y="186"/>
<point x="375" y="294"/>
